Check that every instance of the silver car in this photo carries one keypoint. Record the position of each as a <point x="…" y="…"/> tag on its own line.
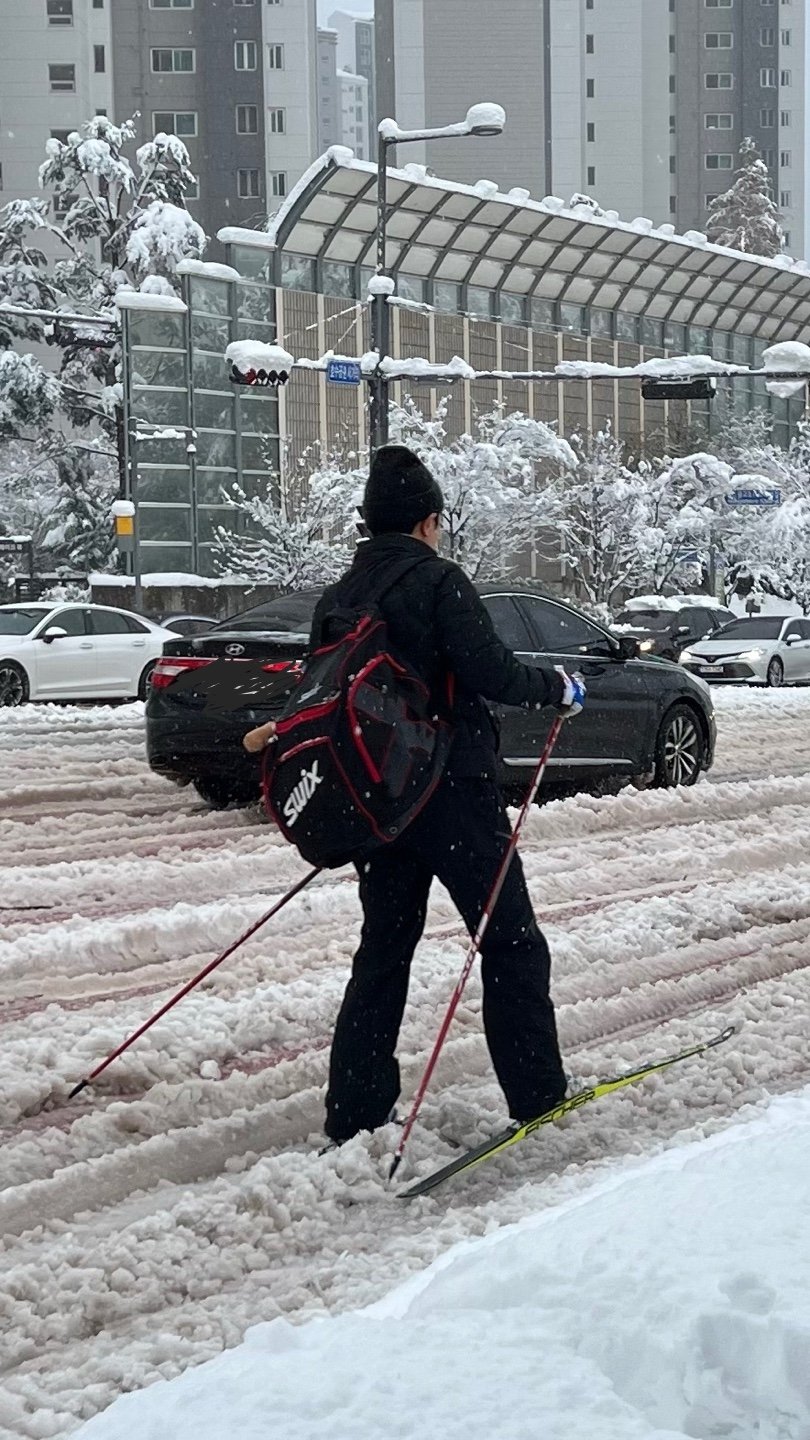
<point x="763" y="650"/>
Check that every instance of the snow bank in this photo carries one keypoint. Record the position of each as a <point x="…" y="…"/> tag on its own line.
<point x="670" y="1298"/>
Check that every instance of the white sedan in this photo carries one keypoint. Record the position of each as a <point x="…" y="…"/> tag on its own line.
<point x="765" y="650"/>
<point x="75" y="652"/>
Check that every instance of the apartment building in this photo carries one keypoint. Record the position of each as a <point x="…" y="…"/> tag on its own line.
<point x="356" y="54"/>
<point x="237" y="82"/>
<point x="739" y="69"/>
<point x="354" y="112"/>
<point x="328" y="98"/>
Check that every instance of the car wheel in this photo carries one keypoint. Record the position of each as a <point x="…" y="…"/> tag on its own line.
<point x="775" y="674"/>
<point x="219" y="793"/>
<point x="144" y="680"/>
<point x="14" y="687"/>
<point x="678" y="749"/>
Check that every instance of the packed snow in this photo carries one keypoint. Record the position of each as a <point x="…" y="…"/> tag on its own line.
<point x="149" y="1223"/>
<point x="669" y="1297"/>
<point x="256" y="355"/>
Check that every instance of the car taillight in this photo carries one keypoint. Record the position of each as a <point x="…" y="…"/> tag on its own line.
<point x="169" y="667"/>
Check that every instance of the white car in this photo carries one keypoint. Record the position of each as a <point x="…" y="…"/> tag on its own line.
<point x="75" y="652"/>
<point x="764" y="650"/>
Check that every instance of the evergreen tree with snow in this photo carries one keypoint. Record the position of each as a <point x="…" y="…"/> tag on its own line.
<point x="745" y="217"/>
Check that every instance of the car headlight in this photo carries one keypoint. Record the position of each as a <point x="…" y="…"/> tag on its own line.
<point x="646" y="645"/>
<point x="756" y="654"/>
<point x="687" y="657"/>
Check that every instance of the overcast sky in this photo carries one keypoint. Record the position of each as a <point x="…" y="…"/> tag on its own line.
<point x="357" y="7"/>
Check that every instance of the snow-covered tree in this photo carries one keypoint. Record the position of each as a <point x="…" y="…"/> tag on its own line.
<point x="302" y="531"/>
<point x="115" y="218"/>
<point x="598" y="513"/>
<point x="745" y="217"/>
<point x="490" y="480"/>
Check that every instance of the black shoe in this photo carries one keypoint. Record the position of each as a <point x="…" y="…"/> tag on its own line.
<point x="390" y="1119"/>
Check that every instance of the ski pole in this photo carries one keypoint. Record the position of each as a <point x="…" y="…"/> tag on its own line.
<point x="475" y="943"/>
<point x="212" y="965"/>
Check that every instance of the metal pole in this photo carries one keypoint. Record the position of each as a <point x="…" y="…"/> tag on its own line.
<point x="380" y="314"/>
<point x="131" y="562"/>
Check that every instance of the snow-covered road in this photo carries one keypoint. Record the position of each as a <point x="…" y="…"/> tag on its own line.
<point x="147" y="1226"/>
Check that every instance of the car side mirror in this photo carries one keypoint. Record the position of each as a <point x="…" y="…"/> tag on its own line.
<point x="793" y="638"/>
<point x="682" y="630"/>
<point x="627" y="647"/>
<point x="53" y="632"/>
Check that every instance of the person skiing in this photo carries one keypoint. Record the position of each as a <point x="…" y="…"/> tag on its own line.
<point x="437" y="622"/>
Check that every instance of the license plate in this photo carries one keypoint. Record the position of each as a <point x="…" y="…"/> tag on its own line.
<point x="711" y="669"/>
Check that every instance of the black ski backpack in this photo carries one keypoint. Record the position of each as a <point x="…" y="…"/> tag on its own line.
<point x="359" y="748"/>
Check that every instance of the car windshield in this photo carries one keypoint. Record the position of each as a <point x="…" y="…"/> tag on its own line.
<point x="764" y="628"/>
<point x="291" y="614"/>
<point x="20" y="621"/>
<point x="646" y="619"/>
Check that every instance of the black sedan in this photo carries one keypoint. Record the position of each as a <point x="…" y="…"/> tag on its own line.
<point x="646" y="720"/>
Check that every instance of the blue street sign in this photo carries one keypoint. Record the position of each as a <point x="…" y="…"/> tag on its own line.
<point x="343" y="372"/>
<point x="754" y="497"/>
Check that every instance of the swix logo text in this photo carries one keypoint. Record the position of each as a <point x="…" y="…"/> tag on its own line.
<point x="301" y="795"/>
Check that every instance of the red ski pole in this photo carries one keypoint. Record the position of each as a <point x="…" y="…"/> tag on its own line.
<point x="212" y="965"/>
<point x="475" y="943"/>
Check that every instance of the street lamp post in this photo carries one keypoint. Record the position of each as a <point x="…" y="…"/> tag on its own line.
<point x="482" y="119"/>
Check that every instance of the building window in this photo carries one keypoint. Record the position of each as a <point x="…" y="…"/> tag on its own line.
<point x="786" y="199"/>
<point x="590" y="89"/>
<point x="767" y="78"/>
<point x="719" y="162"/>
<point x="719" y="122"/>
<point x="192" y="190"/>
<point x="99" y="60"/>
<point x="672" y="124"/>
<point x="60" y="12"/>
<point x="785" y="37"/>
<point x="244" y="55"/>
<point x="591" y="174"/>
<point x="719" y="40"/>
<point x="174" y="122"/>
<point x="589" y="44"/>
<point x="247" y="119"/>
<point x="166" y="62"/>
<point x="785" y="159"/>
<point x="278" y="121"/>
<point x="673" y="204"/>
<point x="785" y="119"/>
<point x="1" y="175"/>
<point x="785" y="77"/>
<point x="767" y="119"/>
<point x="767" y="36"/>
<point x="710" y="199"/>
<point x="244" y="2"/>
<point x="62" y="77"/>
<point x="591" y="131"/>
<point x="98" y="4"/>
<point x="278" y="182"/>
<point x="672" y="44"/>
<point x="588" y="4"/>
<point x="769" y="158"/>
<point x="61" y="136"/>
<point x="171" y="4"/>
<point x="275" y="57"/>
<point x="724" y="80"/>
<point x="247" y="184"/>
<point x="719" y="4"/>
<point x="787" y="238"/>
<point x="672" y="84"/>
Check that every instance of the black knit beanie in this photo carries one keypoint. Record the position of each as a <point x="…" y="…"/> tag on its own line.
<point x="400" y="492"/>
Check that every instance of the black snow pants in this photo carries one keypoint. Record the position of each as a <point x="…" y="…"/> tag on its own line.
<point x="460" y="838"/>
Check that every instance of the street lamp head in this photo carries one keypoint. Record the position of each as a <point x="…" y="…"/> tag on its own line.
<point x="485" y="118"/>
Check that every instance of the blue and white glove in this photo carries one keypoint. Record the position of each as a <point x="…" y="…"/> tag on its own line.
<point x="573" y="696"/>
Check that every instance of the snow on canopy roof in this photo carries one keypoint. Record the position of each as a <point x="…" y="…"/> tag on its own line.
<point x="441" y="230"/>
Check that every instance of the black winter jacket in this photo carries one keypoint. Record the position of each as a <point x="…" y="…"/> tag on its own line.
<point x="437" y="621"/>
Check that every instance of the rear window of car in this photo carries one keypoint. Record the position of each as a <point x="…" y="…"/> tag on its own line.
<point x="767" y="628"/>
<point x="647" y="619"/>
<point x="290" y="614"/>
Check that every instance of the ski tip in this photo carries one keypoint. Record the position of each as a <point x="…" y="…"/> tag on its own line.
<point x="394" y="1166"/>
<point x="77" y="1089"/>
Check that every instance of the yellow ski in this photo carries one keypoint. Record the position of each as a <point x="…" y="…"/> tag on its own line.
<point x="513" y="1133"/>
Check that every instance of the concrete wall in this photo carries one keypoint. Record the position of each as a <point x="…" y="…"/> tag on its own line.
<point x="294" y="88"/>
